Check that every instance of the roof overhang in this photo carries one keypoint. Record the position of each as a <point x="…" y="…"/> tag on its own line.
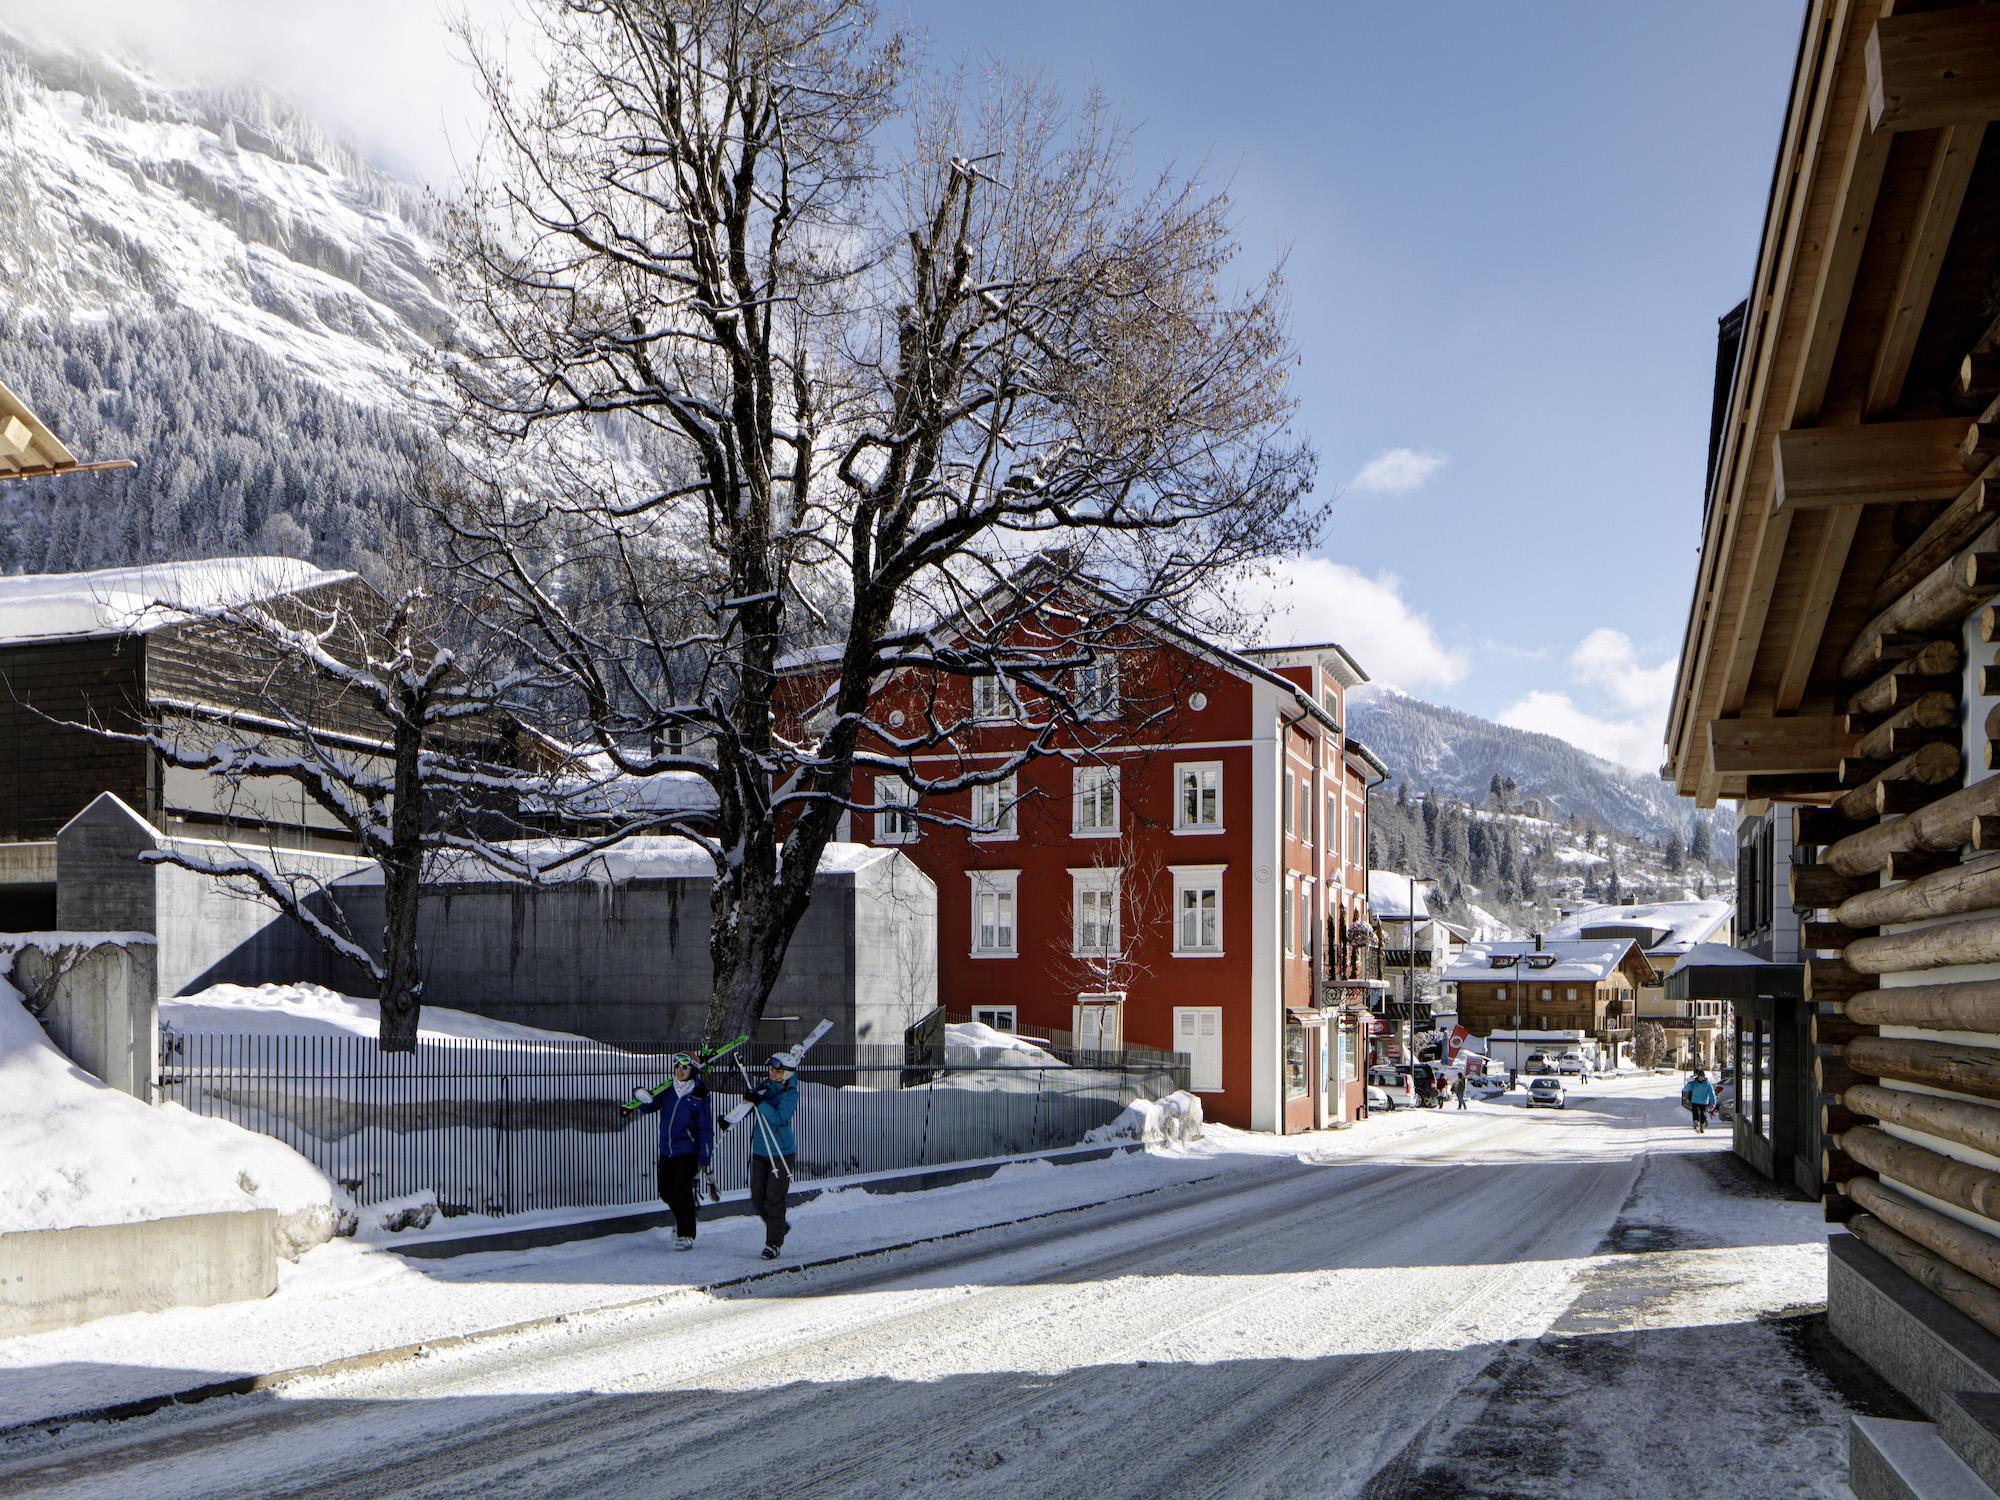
<point x="28" y="450"/>
<point x="1862" y="424"/>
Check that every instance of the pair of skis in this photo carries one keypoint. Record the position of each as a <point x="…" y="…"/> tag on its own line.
<point x="647" y="1093"/>
<point x="741" y="1111"/>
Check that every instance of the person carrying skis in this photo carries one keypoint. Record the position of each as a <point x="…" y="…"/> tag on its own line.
<point x="1698" y="1095"/>
<point x="773" y="1150"/>
<point x="687" y="1143"/>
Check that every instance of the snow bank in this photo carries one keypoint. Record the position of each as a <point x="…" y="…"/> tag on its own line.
<point x="314" y="1010"/>
<point x="1174" y="1120"/>
<point x="80" y="1152"/>
<point x="973" y="1042"/>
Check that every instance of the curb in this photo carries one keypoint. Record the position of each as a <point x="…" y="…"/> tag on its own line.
<point x="736" y="1206"/>
<point x="243" y="1385"/>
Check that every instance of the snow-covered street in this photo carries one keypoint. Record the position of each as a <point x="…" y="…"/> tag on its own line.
<point x="1476" y="1305"/>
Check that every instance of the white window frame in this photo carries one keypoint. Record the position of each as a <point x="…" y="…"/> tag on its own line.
<point x="892" y="794"/>
<point x="1306" y="800"/>
<point x="994" y="809"/>
<point x="1354" y="839"/>
<point x="1204" y="1074"/>
<point x="1286" y="912"/>
<point x="991" y="1016"/>
<point x="1095" y="882"/>
<point x="1085" y="781"/>
<point x="1098" y="1009"/>
<point x="1198" y="878"/>
<point x="1100" y="699"/>
<point x="1333" y="824"/>
<point x="1196" y="768"/>
<point x="1291" y="801"/>
<point x="1308" y="921"/>
<point x="1003" y="885"/>
<point x="993" y="700"/>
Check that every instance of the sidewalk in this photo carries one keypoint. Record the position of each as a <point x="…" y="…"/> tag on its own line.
<point x="354" y="1301"/>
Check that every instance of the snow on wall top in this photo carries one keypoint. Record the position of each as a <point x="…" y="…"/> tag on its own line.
<point x="645" y="857"/>
<point x="313" y="1010"/>
<point x="1660" y="927"/>
<point x="41" y="606"/>
<point x="1574" y="962"/>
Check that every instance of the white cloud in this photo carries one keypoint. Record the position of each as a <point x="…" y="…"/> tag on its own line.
<point x="1396" y="470"/>
<point x="1312" y="599"/>
<point x="1631" y="730"/>
<point x="1631" y="742"/>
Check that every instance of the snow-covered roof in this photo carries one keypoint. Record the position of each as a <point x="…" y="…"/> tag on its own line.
<point x="1557" y="962"/>
<point x="1389" y="896"/>
<point x="644" y="857"/>
<point x="134" y="600"/>
<point x="1722" y="956"/>
<point x="611" y="794"/>
<point x="1662" y="928"/>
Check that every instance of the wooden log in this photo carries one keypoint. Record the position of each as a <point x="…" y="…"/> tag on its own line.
<point x="1931" y="766"/>
<point x="1814" y="887"/>
<point x="1838" y="1031"/>
<point x="1950" y="892"/>
<point x="1989" y="680"/>
<point x="1832" y="979"/>
<point x="1992" y="753"/>
<point x="1952" y="527"/>
<point x="1894" y="798"/>
<point x="1986" y="831"/>
<point x="1857" y="769"/>
<point x="1978" y="376"/>
<point x="1980" y="445"/>
<point x="1914" y="864"/>
<point x="1824" y="936"/>
<point x="1836" y="1207"/>
<point x="1944" y="1065"/>
<point x="1926" y="1170"/>
<point x="1964" y="1005"/>
<point x="1837" y="1168"/>
<point x="1974" y="941"/>
<point x="1833" y="1076"/>
<point x="1813" y="827"/>
<point x="1993" y="722"/>
<point x="1946" y="594"/>
<point x="1942" y="658"/>
<point x="1974" y="1125"/>
<point x="1930" y="713"/>
<point x="1975" y="1253"/>
<point x="1943" y="824"/>
<point x="1835" y="1117"/>
<point x="1933" y="1272"/>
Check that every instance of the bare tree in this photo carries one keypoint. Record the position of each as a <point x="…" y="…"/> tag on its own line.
<point x="735" y="383"/>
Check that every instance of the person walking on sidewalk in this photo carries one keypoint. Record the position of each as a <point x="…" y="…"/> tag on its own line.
<point x="1458" y="1089"/>
<point x="687" y="1144"/>
<point x="1699" y="1096"/>
<point x="773" y="1150"/>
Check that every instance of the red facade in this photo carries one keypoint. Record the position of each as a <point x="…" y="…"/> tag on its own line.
<point x="1181" y="874"/>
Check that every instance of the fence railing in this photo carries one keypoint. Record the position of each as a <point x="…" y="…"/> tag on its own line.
<point x="506" y="1126"/>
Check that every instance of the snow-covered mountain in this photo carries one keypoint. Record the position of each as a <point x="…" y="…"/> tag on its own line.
<point x="122" y="195"/>
<point x="1433" y="748"/>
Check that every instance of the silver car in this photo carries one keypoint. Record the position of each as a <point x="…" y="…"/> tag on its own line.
<point x="1547" y="1090"/>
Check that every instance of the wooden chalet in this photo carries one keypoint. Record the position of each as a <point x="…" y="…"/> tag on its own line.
<point x="1840" y="653"/>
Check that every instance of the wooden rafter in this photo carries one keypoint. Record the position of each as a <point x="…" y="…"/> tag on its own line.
<point x="1779" y="746"/>
<point x="1932" y="68"/>
<point x="1942" y="194"/>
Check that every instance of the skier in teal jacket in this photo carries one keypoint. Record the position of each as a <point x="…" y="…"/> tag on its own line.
<point x="773" y="1149"/>
<point x="1698" y="1095"/>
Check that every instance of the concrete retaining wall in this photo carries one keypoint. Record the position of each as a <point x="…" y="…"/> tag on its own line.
<point x="1921" y="1344"/>
<point x="97" y="999"/>
<point x="57" y="1278"/>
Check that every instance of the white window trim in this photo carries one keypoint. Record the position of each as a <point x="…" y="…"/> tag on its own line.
<point x="990" y="882"/>
<point x="1095" y="879"/>
<point x="1078" y="802"/>
<point x="1006" y="807"/>
<point x="1221" y="809"/>
<point x="1200" y="876"/>
<point x="1288" y="914"/>
<point x="1009" y="709"/>
<point x="1112" y="705"/>
<point x="1013" y="1013"/>
<point x="891" y="791"/>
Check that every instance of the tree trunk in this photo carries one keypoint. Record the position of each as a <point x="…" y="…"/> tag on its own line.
<point x="402" y="890"/>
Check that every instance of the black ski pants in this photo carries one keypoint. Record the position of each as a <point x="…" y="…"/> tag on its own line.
<point x="770" y="1190"/>
<point x="677" y="1175"/>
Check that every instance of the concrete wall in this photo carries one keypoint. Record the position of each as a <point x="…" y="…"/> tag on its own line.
<point x="628" y="960"/>
<point x="56" y="1278"/>
<point x="210" y="931"/>
<point x="97" y="1000"/>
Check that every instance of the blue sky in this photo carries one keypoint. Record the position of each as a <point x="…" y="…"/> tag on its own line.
<point x="1509" y="231"/>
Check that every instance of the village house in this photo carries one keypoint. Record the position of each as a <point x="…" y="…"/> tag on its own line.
<point x="1188" y="873"/>
<point x="1666" y="931"/>
<point x="1587" y="989"/>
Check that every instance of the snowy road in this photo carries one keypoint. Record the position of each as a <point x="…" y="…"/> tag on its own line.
<point x="1296" y="1326"/>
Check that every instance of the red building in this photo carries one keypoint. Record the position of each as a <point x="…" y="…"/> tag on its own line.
<point x="1186" y="872"/>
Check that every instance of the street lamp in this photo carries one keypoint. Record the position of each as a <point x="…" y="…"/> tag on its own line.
<point x="1410" y="970"/>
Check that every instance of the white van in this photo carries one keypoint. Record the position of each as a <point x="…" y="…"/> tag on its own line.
<point x="1396" y="1084"/>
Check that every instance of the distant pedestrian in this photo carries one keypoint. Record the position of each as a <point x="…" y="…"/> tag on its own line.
<point x="1458" y="1089"/>
<point x="687" y="1144"/>
<point x="773" y="1150"/>
<point x="1698" y="1094"/>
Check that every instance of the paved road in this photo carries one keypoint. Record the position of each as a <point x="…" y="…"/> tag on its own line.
<point x="1282" y="1330"/>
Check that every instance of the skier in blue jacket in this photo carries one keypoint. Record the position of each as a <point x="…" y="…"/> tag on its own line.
<point x="687" y="1143"/>
<point x="1699" y="1096"/>
<point x="773" y="1151"/>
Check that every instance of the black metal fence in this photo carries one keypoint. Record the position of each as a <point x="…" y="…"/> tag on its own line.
<point x="507" y="1126"/>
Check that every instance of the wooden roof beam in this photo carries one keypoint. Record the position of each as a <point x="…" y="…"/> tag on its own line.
<point x="1937" y="67"/>
<point x="1878" y="463"/>
<point x="1802" y="744"/>
<point x="1930" y="236"/>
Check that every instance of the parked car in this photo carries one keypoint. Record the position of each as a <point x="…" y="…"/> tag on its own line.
<point x="1574" y="1062"/>
<point x="1396" y="1084"/>
<point x="1538" y="1060"/>
<point x="1378" y="1099"/>
<point x="1547" y="1089"/>
<point x="1486" y="1085"/>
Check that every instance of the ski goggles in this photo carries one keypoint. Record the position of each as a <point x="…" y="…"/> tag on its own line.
<point x="682" y="1060"/>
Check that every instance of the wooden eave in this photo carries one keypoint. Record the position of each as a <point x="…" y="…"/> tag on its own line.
<point x="28" y="450"/>
<point x="1877" y="250"/>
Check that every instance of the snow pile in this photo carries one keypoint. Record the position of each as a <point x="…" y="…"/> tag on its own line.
<point x="313" y="1010"/>
<point x="80" y="1152"/>
<point x="1175" y="1120"/>
<point x="35" y="606"/>
<point x="971" y="1043"/>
